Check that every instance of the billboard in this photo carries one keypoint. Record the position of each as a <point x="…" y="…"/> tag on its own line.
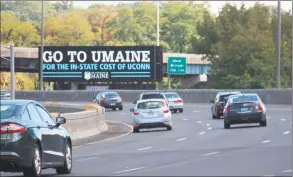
<point x="102" y="63"/>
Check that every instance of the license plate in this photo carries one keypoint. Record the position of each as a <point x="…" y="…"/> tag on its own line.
<point x="244" y="109"/>
<point x="112" y="104"/>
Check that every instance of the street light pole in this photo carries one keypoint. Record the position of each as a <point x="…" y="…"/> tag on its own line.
<point x="158" y="23"/>
<point x="12" y="73"/>
<point x="278" y="48"/>
<point x="42" y="50"/>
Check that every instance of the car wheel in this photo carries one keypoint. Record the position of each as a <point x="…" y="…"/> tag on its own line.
<point x="214" y="117"/>
<point x="226" y="125"/>
<point x="169" y="128"/>
<point x="36" y="169"/>
<point x="263" y="123"/>
<point x="120" y="108"/>
<point x="135" y="130"/>
<point x="181" y="110"/>
<point x="67" y="166"/>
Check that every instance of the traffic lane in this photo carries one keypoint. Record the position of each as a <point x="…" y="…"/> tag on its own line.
<point x="217" y="140"/>
<point x="247" y="162"/>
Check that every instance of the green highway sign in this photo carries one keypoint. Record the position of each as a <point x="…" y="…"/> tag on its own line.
<point x="176" y="65"/>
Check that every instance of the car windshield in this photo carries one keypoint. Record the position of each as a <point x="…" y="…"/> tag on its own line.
<point x="171" y="95"/>
<point x="152" y="96"/>
<point x="244" y="98"/>
<point x="111" y="95"/>
<point x="8" y="110"/>
<point x="151" y="105"/>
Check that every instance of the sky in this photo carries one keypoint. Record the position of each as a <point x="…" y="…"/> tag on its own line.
<point x="215" y="6"/>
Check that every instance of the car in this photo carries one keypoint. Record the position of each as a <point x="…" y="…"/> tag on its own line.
<point x="219" y="103"/>
<point x="109" y="100"/>
<point x="244" y="108"/>
<point x="152" y="95"/>
<point x="5" y="95"/>
<point x="175" y="101"/>
<point x="31" y="140"/>
<point x="151" y="113"/>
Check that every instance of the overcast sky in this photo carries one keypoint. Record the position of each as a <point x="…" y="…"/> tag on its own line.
<point x="215" y="5"/>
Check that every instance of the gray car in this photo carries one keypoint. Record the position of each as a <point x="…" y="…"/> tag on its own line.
<point x="5" y="95"/>
<point x="244" y="108"/>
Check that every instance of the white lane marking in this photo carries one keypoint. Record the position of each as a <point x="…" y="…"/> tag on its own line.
<point x="54" y="153"/>
<point x="283" y="120"/>
<point x="196" y="111"/>
<point x="77" y="146"/>
<point x="266" y="141"/>
<point x="287" y="171"/>
<point x="185" y="119"/>
<point x="201" y="133"/>
<point x="199" y="122"/>
<point x="212" y="153"/>
<point x="146" y="148"/>
<point x="286" y="132"/>
<point x="89" y="158"/>
<point x="133" y="169"/>
<point x="181" y="139"/>
<point x="123" y="113"/>
<point x="291" y="122"/>
<point x="210" y="128"/>
<point x="208" y="125"/>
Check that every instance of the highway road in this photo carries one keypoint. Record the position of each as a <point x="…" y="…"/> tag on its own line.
<point x="197" y="145"/>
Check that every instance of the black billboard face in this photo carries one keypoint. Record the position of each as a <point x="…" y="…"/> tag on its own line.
<point x="102" y="64"/>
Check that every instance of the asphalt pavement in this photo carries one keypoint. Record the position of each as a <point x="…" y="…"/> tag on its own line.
<point x="197" y="146"/>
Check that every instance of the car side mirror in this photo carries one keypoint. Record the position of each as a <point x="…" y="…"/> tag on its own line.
<point x="212" y="101"/>
<point x="131" y="109"/>
<point x="60" y="120"/>
<point x="134" y="102"/>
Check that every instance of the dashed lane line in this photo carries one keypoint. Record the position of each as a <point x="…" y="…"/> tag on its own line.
<point x="212" y="153"/>
<point x="129" y="170"/>
<point x="89" y="158"/>
<point x="286" y="132"/>
<point x="181" y="139"/>
<point x="287" y="171"/>
<point x="146" y="148"/>
<point x="283" y="120"/>
<point x="199" y="121"/>
<point x="210" y="128"/>
<point x="196" y="111"/>
<point x="201" y="133"/>
<point x="266" y="141"/>
<point x="185" y="119"/>
<point x="208" y="125"/>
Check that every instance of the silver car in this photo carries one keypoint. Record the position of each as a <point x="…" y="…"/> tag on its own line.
<point x="151" y="113"/>
<point x="175" y="102"/>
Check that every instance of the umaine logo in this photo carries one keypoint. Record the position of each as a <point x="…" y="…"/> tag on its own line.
<point x="87" y="75"/>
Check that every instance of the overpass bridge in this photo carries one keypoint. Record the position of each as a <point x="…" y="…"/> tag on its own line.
<point x="27" y="60"/>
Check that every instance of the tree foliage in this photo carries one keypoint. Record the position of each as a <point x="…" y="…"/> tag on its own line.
<point x="239" y="42"/>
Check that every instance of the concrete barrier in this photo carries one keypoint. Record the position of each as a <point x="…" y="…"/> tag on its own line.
<point x="271" y="96"/>
<point x="82" y="125"/>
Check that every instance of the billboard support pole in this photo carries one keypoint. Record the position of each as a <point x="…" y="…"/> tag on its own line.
<point x="42" y="50"/>
<point x="12" y="73"/>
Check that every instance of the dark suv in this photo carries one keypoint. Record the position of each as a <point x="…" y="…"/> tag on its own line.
<point x="109" y="100"/>
<point x="220" y="102"/>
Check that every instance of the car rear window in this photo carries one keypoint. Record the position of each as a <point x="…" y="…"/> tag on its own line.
<point x="151" y="105"/>
<point x="152" y="96"/>
<point x="111" y="95"/>
<point x="8" y="111"/>
<point x="244" y="98"/>
<point x="224" y="98"/>
<point x="171" y="95"/>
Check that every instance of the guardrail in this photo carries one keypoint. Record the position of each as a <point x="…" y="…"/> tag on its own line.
<point x="271" y="96"/>
<point x="82" y="125"/>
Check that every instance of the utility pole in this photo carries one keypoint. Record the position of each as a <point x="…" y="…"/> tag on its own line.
<point x="278" y="48"/>
<point x="158" y="23"/>
<point x="42" y="50"/>
<point x="12" y="72"/>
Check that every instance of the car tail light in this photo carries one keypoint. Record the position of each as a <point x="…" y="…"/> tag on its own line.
<point x="228" y="108"/>
<point x="135" y="112"/>
<point x="260" y="107"/>
<point x="179" y="101"/>
<point x="11" y="128"/>
<point x="166" y="110"/>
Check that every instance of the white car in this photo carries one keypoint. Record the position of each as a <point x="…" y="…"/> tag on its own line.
<point x="175" y="102"/>
<point x="151" y="113"/>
